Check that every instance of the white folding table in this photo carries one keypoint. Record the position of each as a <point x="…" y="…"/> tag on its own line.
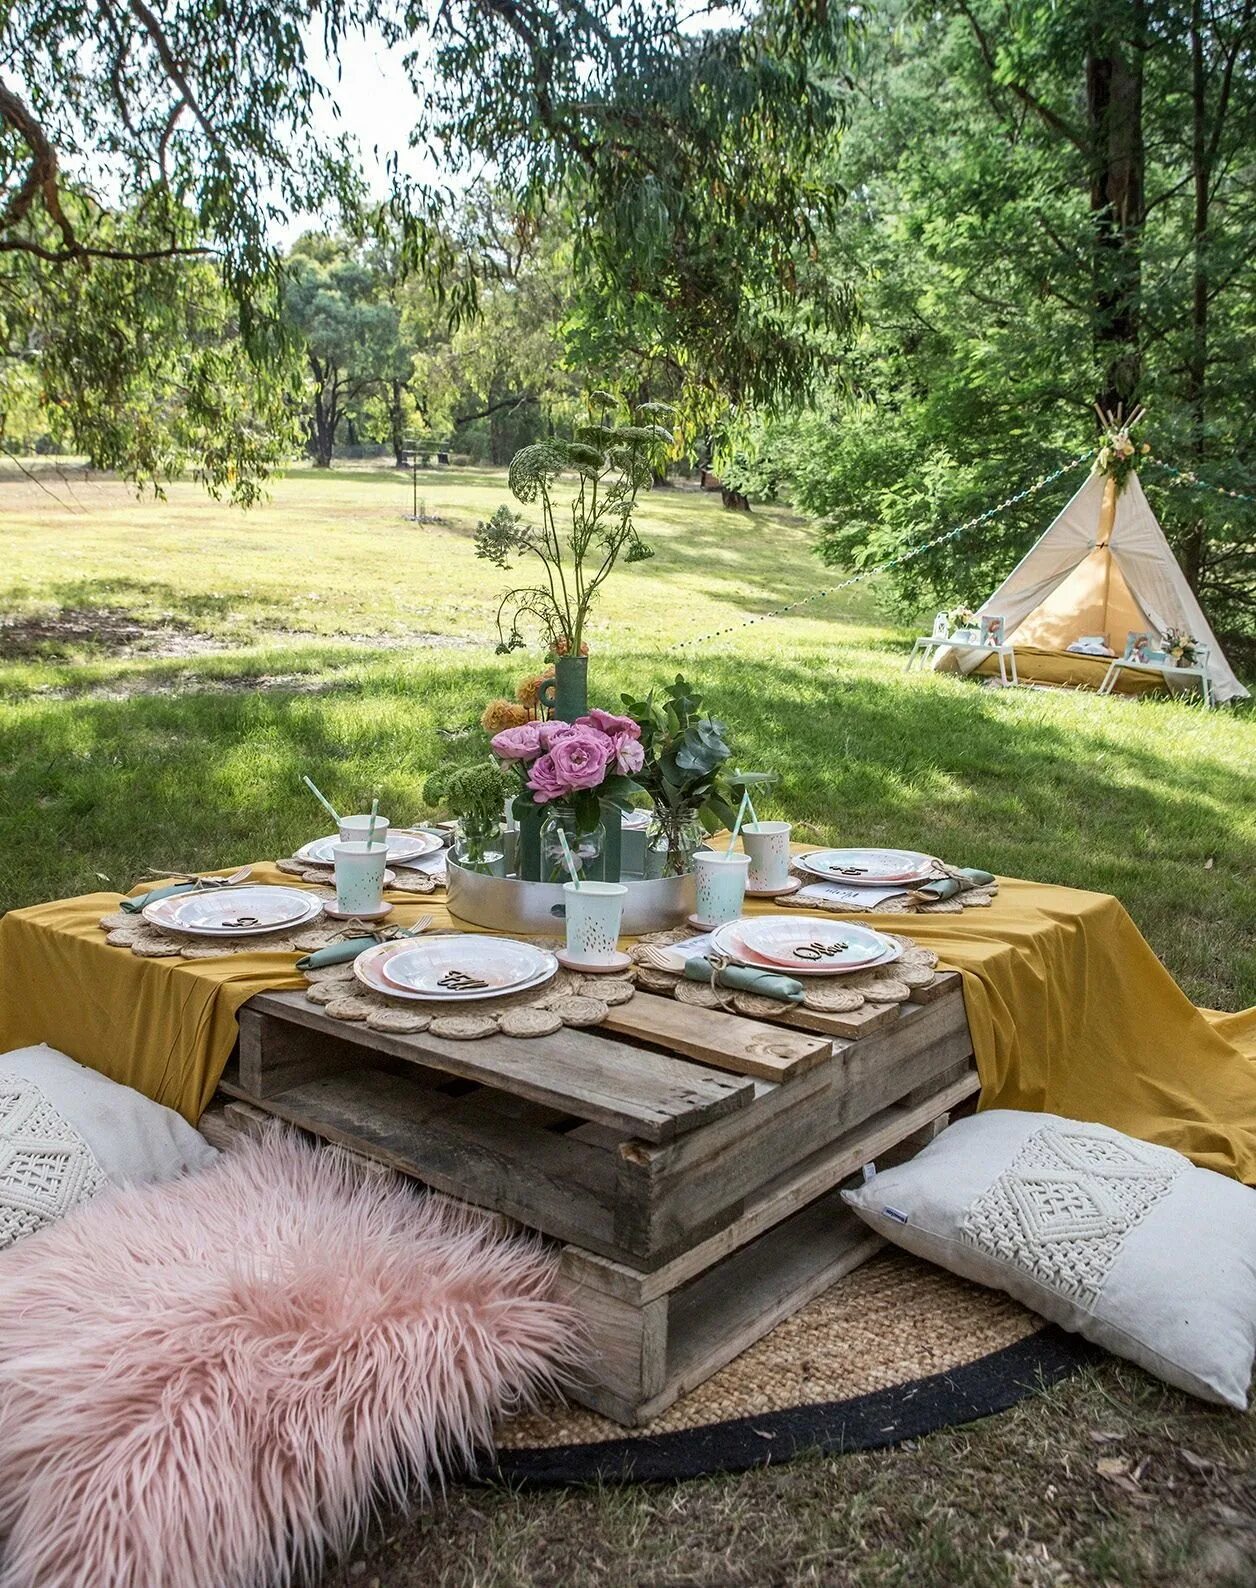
<point x="1006" y="654"/>
<point x="1198" y="671"/>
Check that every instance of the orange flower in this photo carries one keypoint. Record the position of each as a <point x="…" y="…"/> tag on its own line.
<point x="501" y="714"/>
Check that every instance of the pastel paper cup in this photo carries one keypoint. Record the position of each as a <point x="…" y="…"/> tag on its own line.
<point x="353" y="829"/>
<point x="360" y="877"/>
<point x="767" y="844"/>
<point x="721" y="885"/>
<point x="594" y="911"/>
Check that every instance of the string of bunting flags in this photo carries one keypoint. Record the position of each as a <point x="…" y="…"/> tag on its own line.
<point x="1190" y="478"/>
<point x="902" y="557"/>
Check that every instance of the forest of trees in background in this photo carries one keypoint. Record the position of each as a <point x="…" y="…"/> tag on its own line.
<point x="1048" y="205"/>
<point x="884" y="265"/>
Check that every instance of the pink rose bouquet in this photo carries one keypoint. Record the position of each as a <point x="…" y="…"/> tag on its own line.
<point x="591" y="758"/>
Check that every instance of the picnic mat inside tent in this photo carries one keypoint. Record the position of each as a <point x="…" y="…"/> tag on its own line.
<point x="1071" y="670"/>
<point x="896" y="1350"/>
<point x="1070" y="1011"/>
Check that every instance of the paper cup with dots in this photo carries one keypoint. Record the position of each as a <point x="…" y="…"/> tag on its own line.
<point x="353" y="829"/>
<point x="767" y="844"/>
<point x="594" y="911"/>
<point x="360" y="877"/>
<point x="721" y="885"/>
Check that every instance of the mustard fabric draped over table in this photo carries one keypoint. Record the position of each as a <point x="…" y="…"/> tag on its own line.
<point x="1070" y="1011"/>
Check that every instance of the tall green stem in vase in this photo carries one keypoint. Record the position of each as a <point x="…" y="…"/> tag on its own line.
<point x="577" y="542"/>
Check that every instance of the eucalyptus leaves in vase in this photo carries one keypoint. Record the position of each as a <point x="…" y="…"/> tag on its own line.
<point x="685" y="771"/>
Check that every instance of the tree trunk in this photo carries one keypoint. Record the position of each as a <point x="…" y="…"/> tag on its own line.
<point x="1194" y="547"/>
<point x="324" y="414"/>
<point x="1114" y="107"/>
<point x="396" y="422"/>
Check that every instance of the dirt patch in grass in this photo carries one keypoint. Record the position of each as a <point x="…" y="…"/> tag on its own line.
<point x="74" y="633"/>
<point x="108" y="631"/>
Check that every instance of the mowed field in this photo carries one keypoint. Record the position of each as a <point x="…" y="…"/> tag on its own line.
<point x="169" y="669"/>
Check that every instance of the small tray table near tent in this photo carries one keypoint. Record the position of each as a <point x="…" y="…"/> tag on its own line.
<point x="1103" y="567"/>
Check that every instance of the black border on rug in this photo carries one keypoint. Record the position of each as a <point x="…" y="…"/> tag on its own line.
<point x="916" y="1407"/>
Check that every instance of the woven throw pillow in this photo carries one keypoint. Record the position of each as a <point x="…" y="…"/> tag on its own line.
<point x="66" y="1132"/>
<point x="1123" y="1242"/>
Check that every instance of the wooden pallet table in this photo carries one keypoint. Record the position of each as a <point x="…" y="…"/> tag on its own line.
<point x="687" y="1160"/>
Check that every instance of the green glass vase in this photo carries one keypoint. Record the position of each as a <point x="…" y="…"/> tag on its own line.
<point x="566" y="695"/>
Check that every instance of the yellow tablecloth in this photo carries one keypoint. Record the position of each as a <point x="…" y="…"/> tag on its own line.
<point x="1070" y="1011"/>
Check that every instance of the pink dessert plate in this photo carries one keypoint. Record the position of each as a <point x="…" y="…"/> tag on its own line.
<point x="462" y="966"/>
<point x="869" y="868"/>
<point x="805" y="946"/>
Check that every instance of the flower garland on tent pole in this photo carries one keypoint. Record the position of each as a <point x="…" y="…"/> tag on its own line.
<point x="905" y="556"/>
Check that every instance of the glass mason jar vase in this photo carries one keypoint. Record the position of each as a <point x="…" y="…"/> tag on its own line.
<point x="586" y="844"/>
<point x="671" y="841"/>
<point x="481" y="848"/>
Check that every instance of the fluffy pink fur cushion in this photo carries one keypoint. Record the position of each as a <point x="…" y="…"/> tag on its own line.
<point x="209" y="1383"/>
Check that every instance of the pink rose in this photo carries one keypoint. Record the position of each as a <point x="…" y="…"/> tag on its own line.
<point x="517" y="744"/>
<point x="607" y="722"/>
<point x="628" y="753"/>
<point x="552" y="732"/>
<point x="544" y="781"/>
<point x="578" y="760"/>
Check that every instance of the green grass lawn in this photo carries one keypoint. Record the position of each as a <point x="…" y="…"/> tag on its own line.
<point x="173" y="667"/>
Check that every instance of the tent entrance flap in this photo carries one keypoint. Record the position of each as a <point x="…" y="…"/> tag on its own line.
<point x="1093" y="599"/>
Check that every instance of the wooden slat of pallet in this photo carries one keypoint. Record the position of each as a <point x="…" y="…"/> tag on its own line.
<point x="502" y="1159"/>
<point x="648" y="1095"/>
<point x="851" y="1027"/>
<point x="871" y="1018"/>
<point x="715" y="1037"/>
<point x="791" y="1190"/>
<point x="645" y="1357"/>
<point x="690" y="1179"/>
<point x="727" y="1309"/>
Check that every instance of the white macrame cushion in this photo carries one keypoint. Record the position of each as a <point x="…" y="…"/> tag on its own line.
<point x="67" y="1132"/>
<point x="1128" y="1244"/>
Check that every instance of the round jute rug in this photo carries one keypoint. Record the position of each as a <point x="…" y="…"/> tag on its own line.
<point x="895" y="1350"/>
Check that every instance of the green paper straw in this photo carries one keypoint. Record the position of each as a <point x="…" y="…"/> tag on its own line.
<point x="370" y="826"/>
<point x="321" y="798"/>
<point x="741" y="816"/>
<point x="569" y="858"/>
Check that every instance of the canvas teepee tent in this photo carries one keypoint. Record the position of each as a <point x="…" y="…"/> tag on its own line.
<point x="1103" y="567"/>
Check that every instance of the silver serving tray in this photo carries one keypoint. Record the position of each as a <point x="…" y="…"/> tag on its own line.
<point x="507" y="905"/>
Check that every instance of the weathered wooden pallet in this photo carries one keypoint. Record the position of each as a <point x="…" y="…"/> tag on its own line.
<point x="687" y="1160"/>
<point x="622" y="1149"/>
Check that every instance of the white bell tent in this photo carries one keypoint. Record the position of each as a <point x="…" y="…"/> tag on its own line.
<point x="1103" y="567"/>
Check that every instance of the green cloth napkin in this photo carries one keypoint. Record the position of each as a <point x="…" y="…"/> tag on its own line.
<point x="947" y="887"/>
<point x="742" y="979"/>
<point x="134" y="906"/>
<point x="337" y="953"/>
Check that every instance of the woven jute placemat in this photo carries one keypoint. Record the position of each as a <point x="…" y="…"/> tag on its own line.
<point x="884" y="984"/>
<point x="972" y="896"/>
<point x="404" y="879"/>
<point x="567" y="999"/>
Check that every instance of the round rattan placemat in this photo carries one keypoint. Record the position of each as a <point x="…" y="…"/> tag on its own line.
<point x="894" y="1350"/>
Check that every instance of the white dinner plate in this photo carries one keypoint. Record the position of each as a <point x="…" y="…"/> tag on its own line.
<point x="235" y="912"/>
<point x="869" y="868"/>
<point x="454" y="969"/>
<point x="401" y="848"/>
<point x="804" y="945"/>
